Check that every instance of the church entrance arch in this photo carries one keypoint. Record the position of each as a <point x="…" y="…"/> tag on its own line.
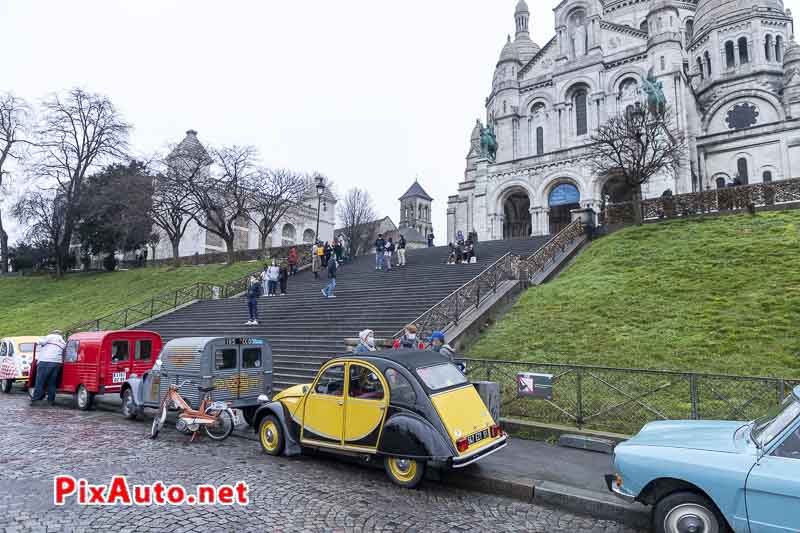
<point x="562" y="200"/>
<point x="517" y="215"/>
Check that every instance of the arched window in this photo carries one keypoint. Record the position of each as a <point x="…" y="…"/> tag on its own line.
<point x="289" y="234"/>
<point x="779" y="48"/>
<point x="308" y="236"/>
<point x="700" y="68"/>
<point x="720" y="183"/>
<point x="742" y="172"/>
<point x="708" y="63"/>
<point x="744" y="55"/>
<point x="768" y="46"/>
<point x="539" y="140"/>
<point x="643" y="26"/>
<point x="581" y="113"/>
<point x="730" y="55"/>
<point x="767" y="176"/>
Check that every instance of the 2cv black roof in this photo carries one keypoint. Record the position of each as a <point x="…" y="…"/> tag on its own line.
<point x="409" y="359"/>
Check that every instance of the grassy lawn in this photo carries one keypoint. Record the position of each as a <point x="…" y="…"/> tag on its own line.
<point x="718" y="295"/>
<point x="34" y="305"/>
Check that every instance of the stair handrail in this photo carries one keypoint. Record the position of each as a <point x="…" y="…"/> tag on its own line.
<point x="165" y="302"/>
<point x="509" y="267"/>
<point x="450" y="308"/>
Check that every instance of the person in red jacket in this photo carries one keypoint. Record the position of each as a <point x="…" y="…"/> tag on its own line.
<point x="409" y="340"/>
<point x="292" y="261"/>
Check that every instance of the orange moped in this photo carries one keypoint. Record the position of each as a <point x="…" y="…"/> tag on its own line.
<point x="216" y="418"/>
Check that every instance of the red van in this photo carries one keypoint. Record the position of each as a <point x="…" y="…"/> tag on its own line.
<point x="100" y="362"/>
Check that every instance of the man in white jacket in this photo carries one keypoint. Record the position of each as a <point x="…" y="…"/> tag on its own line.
<point x="49" y="359"/>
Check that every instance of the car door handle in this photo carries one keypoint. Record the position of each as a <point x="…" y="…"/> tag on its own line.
<point x="382" y="407"/>
<point x="340" y="402"/>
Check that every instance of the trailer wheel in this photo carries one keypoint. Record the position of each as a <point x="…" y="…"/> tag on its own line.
<point x="83" y="398"/>
<point x="5" y="385"/>
<point x="128" y="406"/>
<point x="249" y="414"/>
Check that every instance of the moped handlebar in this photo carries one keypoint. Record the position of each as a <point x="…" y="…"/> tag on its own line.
<point x="176" y="387"/>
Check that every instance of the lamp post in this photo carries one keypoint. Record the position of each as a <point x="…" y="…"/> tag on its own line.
<point x="320" y="184"/>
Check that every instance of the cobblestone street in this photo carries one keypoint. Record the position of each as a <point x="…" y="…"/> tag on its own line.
<point x="311" y="493"/>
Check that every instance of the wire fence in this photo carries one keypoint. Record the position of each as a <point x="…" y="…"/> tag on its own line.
<point x="623" y="400"/>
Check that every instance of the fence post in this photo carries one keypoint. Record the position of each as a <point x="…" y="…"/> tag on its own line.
<point x="176" y="300"/>
<point x="152" y="307"/>
<point x="693" y="396"/>
<point x="489" y="372"/>
<point x="455" y="318"/>
<point x="781" y="391"/>
<point x="478" y="299"/>
<point x="97" y="325"/>
<point x="579" y="399"/>
<point x="125" y="325"/>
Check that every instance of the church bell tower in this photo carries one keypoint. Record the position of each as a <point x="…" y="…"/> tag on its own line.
<point x="415" y="211"/>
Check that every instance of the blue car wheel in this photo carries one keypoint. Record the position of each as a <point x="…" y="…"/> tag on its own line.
<point x="688" y="512"/>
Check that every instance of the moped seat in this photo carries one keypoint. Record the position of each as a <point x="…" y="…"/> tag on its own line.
<point x="206" y="389"/>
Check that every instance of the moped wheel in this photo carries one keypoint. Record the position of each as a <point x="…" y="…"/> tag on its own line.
<point x="158" y="422"/>
<point x="222" y="428"/>
<point x="5" y="385"/>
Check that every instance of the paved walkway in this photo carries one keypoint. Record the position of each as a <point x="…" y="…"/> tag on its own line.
<point x="310" y="493"/>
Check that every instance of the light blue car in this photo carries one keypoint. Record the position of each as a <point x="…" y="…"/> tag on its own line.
<point x="710" y="477"/>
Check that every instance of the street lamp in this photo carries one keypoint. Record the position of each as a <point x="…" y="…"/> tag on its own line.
<point x="320" y="184"/>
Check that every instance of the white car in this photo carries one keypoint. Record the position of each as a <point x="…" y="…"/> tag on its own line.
<point x="16" y="355"/>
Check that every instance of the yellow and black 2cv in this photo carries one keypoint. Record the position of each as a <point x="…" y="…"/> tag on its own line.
<point x="413" y="409"/>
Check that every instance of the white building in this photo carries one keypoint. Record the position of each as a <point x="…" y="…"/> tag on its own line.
<point x="297" y="227"/>
<point x="730" y="71"/>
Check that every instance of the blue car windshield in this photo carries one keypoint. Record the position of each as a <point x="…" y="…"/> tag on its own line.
<point x="766" y="428"/>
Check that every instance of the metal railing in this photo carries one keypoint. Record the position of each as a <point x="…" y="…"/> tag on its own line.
<point x="510" y="267"/>
<point x="711" y="201"/>
<point x="168" y="301"/>
<point x="622" y="400"/>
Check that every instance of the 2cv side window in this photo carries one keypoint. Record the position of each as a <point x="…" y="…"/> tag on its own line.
<point x="71" y="354"/>
<point x="331" y="382"/>
<point x="364" y="384"/>
<point x="400" y="389"/>
<point x="119" y="351"/>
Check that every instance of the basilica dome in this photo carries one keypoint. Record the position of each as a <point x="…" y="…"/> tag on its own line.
<point x="510" y="52"/>
<point x="711" y="12"/>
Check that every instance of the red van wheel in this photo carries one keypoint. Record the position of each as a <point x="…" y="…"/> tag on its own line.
<point x="83" y="398"/>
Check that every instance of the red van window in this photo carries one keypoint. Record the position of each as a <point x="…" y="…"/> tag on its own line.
<point x="71" y="355"/>
<point x="144" y="350"/>
<point x="119" y="351"/>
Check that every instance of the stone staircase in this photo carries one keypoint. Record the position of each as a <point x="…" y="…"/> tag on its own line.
<point x="305" y="329"/>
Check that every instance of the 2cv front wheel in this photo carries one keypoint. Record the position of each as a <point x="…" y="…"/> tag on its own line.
<point x="128" y="405"/>
<point x="270" y="435"/>
<point x="404" y="472"/>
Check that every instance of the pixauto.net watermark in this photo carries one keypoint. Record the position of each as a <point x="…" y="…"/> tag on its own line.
<point x="120" y="492"/>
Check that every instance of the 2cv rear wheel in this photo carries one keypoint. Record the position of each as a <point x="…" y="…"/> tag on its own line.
<point x="128" y="405"/>
<point x="83" y="398"/>
<point x="404" y="472"/>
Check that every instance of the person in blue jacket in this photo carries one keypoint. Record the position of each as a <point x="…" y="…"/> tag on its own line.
<point x="253" y="292"/>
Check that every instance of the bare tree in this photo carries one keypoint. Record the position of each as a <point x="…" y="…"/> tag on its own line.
<point x="357" y="214"/>
<point x="276" y="193"/>
<point x="223" y="197"/>
<point x="15" y="116"/>
<point x="43" y="212"/>
<point x="78" y="132"/>
<point x="634" y="147"/>
<point x="173" y="206"/>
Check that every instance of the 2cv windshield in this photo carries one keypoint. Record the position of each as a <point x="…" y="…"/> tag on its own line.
<point x="766" y="428"/>
<point x="441" y="377"/>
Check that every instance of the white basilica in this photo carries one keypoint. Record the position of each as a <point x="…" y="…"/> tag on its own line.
<point x="730" y="71"/>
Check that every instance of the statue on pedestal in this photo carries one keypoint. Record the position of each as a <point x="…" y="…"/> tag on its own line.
<point x="488" y="142"/>
<point x="656" y="101"/>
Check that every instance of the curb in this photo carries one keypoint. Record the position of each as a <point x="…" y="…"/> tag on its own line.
<point x="590" y="503"/>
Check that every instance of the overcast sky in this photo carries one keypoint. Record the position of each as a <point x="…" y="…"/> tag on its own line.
<point x="370" y="93"/>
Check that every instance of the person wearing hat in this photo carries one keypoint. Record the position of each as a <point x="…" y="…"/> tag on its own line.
<point x="409" y="340"/>
<point x="439" y="345"/>
<point x="49" y="359"/>
<point x="366" y="342"/>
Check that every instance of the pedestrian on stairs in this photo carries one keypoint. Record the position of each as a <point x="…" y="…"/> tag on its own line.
<point x="327" y="292"/>
<point x="401" y="251"/>
<point x="380" y="249"/>
<point x="387" y="256"/>
<point x="409" y="340"/>
<point x="327" y="254"/>
<point x="315" y="261"/>
<point x="273" y="274"/>
<point x="253" y="292"/>
<point x="430" y="240"/>
<point x="366" y="342"/>
<point x="265" y="280"/>
<point x="338" y="250"/>
<point x="283" y="278"/>
<point x="292" y="260"/>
